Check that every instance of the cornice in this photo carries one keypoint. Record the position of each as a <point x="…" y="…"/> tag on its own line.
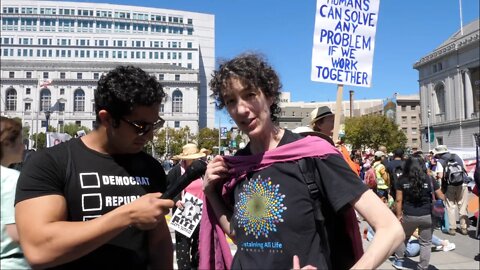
<point x="458" y="44"/>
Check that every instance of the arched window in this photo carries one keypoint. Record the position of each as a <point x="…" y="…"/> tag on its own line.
<point x="440" y="102"/>
<point x="45" y="99"/>
<point x="177" y="101"/>
<point x="79" y="100"/>
<point x="11" y="100"/>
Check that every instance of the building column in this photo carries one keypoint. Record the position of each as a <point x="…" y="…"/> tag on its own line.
<point x="468" y="94"/>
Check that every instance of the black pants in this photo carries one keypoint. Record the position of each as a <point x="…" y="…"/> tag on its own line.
<point x="187" y="250"/>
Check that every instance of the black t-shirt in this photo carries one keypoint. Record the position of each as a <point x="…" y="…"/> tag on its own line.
<point x="273" y="214"/>
<point x="417" y="206"/>
<point x="94" y="184"/>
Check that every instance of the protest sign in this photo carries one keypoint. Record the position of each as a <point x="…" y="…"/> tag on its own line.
<point x="185" y="220"/>
<point x="54" y="138"/>
<point x="344" y="41"/>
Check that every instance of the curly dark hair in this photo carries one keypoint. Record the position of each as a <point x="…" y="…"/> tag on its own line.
<point x="10" y="130"/>
<point x="253" y="71"/>
<point x="416" y="172"/>
<point x="125" y="87"/>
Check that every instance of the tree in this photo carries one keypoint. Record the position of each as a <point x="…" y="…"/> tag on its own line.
<point x="208" y="138"/>
<point x="371" y="131"/>
<point x="72" y="129"/>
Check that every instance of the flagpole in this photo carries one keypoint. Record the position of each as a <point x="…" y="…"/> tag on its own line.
<point x="461" y="17"/>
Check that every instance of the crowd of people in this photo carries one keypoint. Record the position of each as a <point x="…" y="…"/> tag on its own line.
<point x="288" y="199"/>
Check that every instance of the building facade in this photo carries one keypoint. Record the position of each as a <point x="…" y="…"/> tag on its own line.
<point x="449" y="80"/>
<point x="296" y="114"/>
<point x="408" y="119"/>
<point x="53" y="54"/>
<point x="406" y="113"/>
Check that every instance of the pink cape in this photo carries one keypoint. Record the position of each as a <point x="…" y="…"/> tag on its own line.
<point x="213" y="247"/>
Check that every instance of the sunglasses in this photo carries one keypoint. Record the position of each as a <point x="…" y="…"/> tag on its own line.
<point x="142" y="128"/>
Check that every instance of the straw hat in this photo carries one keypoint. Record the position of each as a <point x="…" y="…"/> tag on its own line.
<point x="205" y="151"/>
<point x="189" y="152"/>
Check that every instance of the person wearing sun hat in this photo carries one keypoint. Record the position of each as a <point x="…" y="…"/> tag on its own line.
<point x="456" y="196"/>
<point x="322" y="120"/>
<point x="187" y="248"/>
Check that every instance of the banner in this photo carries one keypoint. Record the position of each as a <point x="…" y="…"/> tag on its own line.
<point x="344" y="41"/>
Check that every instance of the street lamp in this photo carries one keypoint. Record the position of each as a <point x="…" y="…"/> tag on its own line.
<point x="47" y="117"/>
<point x="428" y="129"/>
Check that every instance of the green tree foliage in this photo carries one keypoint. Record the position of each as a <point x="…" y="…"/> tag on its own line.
<point x="72" y="129"/>
<point x="371" y="131"/>
<point x="208" y="138"/>
<point x="39" y="140"/>
<point x="175" y="140"/>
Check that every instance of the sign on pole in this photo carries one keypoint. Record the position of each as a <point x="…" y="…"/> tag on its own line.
<point x="344" y="41"/>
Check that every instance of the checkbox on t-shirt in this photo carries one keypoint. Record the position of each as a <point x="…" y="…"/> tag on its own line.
<point x="91" y="202"/>
<point x="89" y="180"/>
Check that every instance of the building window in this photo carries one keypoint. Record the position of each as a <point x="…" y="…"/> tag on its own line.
<point x="176" y="124"/>
<point x="414" y="119"/>
<point x="45" y="99"/>
<point x="404" y="119"/>
<point x="439" y="140"/>
<point x="11" y="102"/>
<point x="96" y="76"/>
<point x="177" y="101"/>
<point x="61" y="107"/>
<point x="405" y="130"/>
<point x="78" y="123"/>
<point x="414" y="131"/>
<point x="11" y="74"/>
<point x="62" y="75"/>
<point x="404" y="108"/>
<point x="414" y="141"/>
<point x="28" y="74"/>
<point x="28" y="91"/>
<point x="79" y="76"/>
<point x="79" y="100"/>
<point x="177" y="77"/>
<point x="413" y="107"/>
<point x="45" y="75"/>
<point x="440" y="100"/>
<point x="161" y="77"/>
<point x="28" y="106"/>
<point x="62" y="91"/>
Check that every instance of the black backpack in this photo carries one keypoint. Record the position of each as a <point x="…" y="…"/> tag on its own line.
<point x="453" y="171"/>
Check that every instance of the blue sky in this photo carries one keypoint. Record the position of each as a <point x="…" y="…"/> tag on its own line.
<point x="283" y="31"/>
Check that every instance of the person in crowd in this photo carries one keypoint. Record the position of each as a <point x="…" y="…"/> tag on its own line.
<point x="186" y="247"/>
<point x="413" y="208"/>
<point x="456" y="194"/>
<point x="322" y="122"/>
<point x="381" y="174"/>
<point x="11" y="152"/>
<point x="395" y="169"/>
<point x="265" y="205"/>
<point x="93" y="202"/>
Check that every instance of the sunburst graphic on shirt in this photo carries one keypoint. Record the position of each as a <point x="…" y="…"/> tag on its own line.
<point x="260" y="207"/>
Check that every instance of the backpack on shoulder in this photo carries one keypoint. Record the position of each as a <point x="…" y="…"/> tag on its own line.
<point x="371" y="178"/>
<point x="341" y="230"/>
<point x="454" y="173"/>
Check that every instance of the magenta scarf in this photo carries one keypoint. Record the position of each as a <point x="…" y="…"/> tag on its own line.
<point x="214" y="249"/>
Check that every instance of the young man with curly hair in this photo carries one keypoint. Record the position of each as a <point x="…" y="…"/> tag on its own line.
<point x="93" y="202"/>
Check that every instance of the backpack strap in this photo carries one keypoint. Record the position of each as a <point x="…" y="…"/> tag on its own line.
<point x="310" y="174"/>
